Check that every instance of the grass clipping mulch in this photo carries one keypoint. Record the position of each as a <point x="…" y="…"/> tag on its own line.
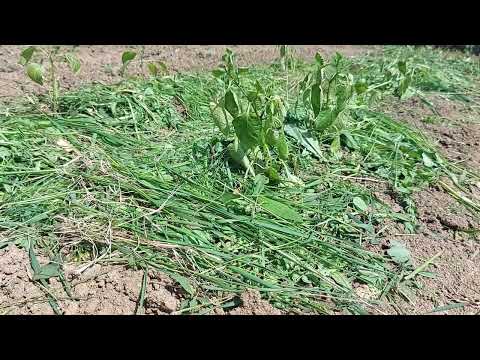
<point x="137" y="174"/>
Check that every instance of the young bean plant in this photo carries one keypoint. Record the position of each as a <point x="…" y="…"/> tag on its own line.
<point x="250" y="116"/>
<point x="326" y="92"/>
<point x="49" y="77"/>
<point x="155" y="68"/>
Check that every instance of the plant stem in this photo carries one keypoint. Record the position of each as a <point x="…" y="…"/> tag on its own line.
<point x="142" y="53"/>
<point x="54" y="83"/>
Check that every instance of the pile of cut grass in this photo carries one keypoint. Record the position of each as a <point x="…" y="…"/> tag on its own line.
<point x="139" y="171"/>
<point x="449" y="75"/>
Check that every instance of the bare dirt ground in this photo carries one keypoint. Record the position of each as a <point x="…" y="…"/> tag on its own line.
<point x="102" y="63"/>
<point x="456" y="130"/>
<point x="445" y="227"/>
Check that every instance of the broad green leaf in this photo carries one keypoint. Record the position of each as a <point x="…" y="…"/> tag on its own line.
<point x="248" y="130"/>
<point x="306" y="80"/>
<point x="398" y="252"/>
<point x="259" y="182"/>
<point x="337" y="60"/>
<point x="221" y="118"/>
<point x="152" y="69"/>
<point x="33" y="259"/>
<point x="163" y="67"/>
<point x="306" y="95"/>
<point x="427" y="161"/>
<point x="305" y="279"/>
<point x="37" y="218"/>
<point x="26" y="55"/>
<point x="341" y="279"/>
<point x="319" y="59"/>
<point x="349" y="140"/>
<point x="48" y="271"/>
<point x="279" y="209"/>
<point x="259" y="88"/>
<point x="404" y="85"/>
<point x="73" y="62"/>
<point x="360" y="204"/>
<point x="282" y="146"/>
<point x="325" y="119"/>
<point x="401" y="217"/>
<point x="304" y="138"/>
<point x="218" y="73"/>
<point x="35" y="73"/>
<point x="402" y="66"/>
<point x="271" y="137"/>
<point x="316" y="99"/>
<point x="343" y="93"/>
<point x="231" y="103"/>
<point x="361" y="87"/>
<point x="128" y="56"/>
<point x="229" y="197"/>
<point x="254" y="98"/>
<point x="242" y="70"/>
<point x="335" y="145"/>
<point x="272" y="175"/>
<point x="184" y="283"/>
<point x="283" y="50"/>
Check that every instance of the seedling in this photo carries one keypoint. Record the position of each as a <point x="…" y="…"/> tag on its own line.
<point x="287" y="58"/>
<point x="326" y="92"/>
<point x="155" y="68"/>
<point x="391" y="76"/>
<point x="250" y="116"/>
<point x="127" y="58"/>
<point x="36" y="72"/>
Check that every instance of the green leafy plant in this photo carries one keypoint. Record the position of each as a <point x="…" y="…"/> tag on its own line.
<point x="157" y="68"/>
<point x="326" y="92"/>
<point x="127" y="58"/>
<point x="391" y="76"/>
<point x="48" y="77"/>
<point x="154" y="68"/>
<point x="326" y="95"/>
<point x="250" y="116"/>
<point x="287" y="57"/>
<point x="334" y="90"/>
<point x="401" y="77"/>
